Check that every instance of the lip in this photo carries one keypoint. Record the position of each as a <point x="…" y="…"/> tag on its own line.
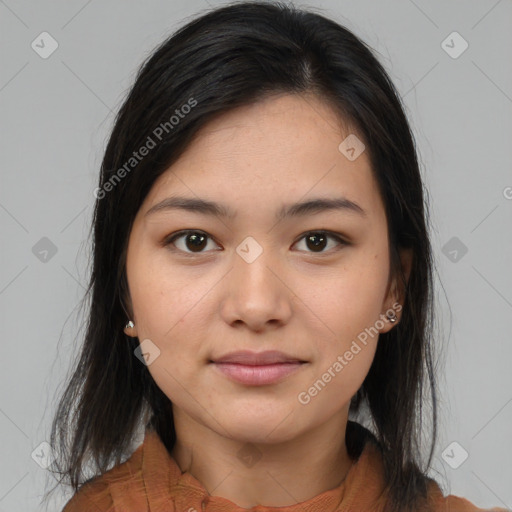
<point x="257" y="368"/>
<point x="267" y="357"/>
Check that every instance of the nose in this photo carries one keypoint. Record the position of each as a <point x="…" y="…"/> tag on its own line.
<point x="256" y="293"/>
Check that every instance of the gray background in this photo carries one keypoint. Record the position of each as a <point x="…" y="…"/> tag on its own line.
<point x="56" y="114"/>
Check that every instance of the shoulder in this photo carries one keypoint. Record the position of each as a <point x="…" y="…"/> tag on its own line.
<point x="120" y="487"/>
<point x="94" y="495"/>
<point x="451" y="503"/>
<point x="362" y="444"/>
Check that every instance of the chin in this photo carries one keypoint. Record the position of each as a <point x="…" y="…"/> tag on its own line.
<point x="258" y="427"/>
<point x="259" y="434"/>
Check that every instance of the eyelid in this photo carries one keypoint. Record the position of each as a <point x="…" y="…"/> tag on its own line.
<point x="168" y="240"/>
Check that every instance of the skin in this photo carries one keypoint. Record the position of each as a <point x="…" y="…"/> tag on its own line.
<point x="305" y="302"/>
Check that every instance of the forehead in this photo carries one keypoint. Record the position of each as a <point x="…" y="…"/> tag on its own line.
<point x="279" y="120"/>
<point x="281" y="148"/>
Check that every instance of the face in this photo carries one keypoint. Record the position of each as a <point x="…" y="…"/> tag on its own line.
<point x="313" y="284"/>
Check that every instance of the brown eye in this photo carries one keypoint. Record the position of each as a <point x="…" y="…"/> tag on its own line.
<point x="194" y="241"/>
<point x="316" y="241"/>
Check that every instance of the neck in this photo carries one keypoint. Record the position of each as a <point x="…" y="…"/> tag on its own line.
<point x="249" y="474"/>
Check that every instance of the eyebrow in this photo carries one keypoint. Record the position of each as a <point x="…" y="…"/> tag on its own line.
<point x="205" y="207"/>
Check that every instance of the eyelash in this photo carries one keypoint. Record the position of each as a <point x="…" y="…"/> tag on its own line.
<point x="168" y="241"/>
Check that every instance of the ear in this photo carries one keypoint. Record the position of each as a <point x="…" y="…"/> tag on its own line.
<point x="395" y="297"/>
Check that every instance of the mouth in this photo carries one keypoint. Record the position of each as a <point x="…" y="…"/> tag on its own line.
<point x="257" y="368"/>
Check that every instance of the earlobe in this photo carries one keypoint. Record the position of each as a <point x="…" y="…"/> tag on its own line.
<point x="129" y="329"/>
<point x="390" y="318"/>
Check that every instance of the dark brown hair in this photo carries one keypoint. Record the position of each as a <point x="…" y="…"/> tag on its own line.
<point x="229" y="57"/>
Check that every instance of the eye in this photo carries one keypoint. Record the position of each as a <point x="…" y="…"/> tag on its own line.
<point x="194" y="241"/>
<point x="317" y="240"/>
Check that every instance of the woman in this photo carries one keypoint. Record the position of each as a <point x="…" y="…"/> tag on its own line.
<point x="262" y="272"/>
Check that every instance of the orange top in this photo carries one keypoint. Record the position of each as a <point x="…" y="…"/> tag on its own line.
<point x="151" y="481"/>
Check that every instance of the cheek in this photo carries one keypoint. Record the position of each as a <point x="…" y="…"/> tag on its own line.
<point x="164" y="296"/>
<point x="348" y="302"/>
<point x="167" y="313"/>
<point x="173" y="316"/>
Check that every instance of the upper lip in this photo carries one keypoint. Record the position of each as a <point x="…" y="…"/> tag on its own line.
<point x="257" y="358"/>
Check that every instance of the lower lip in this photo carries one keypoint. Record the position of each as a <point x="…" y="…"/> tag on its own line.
<point x="257" y="375"/>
